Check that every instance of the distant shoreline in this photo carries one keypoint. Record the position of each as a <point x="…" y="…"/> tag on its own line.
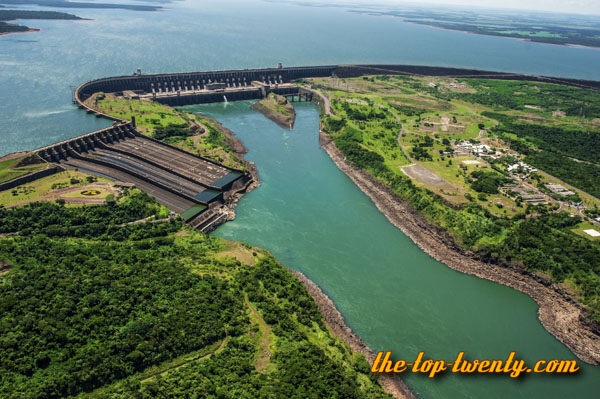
<point x="504" y="36"/>
<point x="405" y="20"/>
<point x="8" y="16"/>
<point x="20" y="31"/>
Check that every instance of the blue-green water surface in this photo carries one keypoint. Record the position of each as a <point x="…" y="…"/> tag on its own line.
<point x="315" y="220"/>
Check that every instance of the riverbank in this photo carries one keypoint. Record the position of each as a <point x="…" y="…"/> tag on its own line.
<point x="391" y="383"/>
<point x="560" y="314"/>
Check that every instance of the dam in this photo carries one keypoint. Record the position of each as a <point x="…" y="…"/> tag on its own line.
<point x="185" y="183"/>
<point x="246" y="84"/>
<point x="198" y="188"/>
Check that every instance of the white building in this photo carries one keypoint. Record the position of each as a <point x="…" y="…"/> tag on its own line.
<point x="526" y="168"/>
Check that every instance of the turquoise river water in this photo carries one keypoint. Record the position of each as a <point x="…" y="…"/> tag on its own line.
<point x="306" y="211"/>
<point x="394" y="296"/>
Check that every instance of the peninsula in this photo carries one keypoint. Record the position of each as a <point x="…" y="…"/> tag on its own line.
<point x="278" y="109"/>
<point x="11" y="15"/>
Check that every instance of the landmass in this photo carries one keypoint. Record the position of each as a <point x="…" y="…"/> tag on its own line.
<point x="495" y="178"/>
<point x="188" y="305"/>
<point x="135" y="303"/>
<point x="458" y="165"/>
<point x="75" y="4"/>
<point x="545" y="28"/>
<point x="10" y="15"/>
<point x="278" y="109"/>
<point x="535" y="26"/>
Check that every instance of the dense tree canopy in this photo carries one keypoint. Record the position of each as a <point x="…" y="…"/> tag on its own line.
<point x="90" y="305"/>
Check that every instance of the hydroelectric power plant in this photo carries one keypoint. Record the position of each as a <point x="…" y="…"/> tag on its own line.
<point x="195" y="187"/>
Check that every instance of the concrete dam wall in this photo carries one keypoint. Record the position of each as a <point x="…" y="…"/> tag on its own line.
<point x="174" y="83"/>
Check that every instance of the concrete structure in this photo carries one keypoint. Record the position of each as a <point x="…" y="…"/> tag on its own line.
<point x="466" y="147"/>
<point x="526" y="168"/>
<point x="528" y="195"/>
<point x="185" y="183"/>
<point x="559" y="189"/>
<point x="174" y="83"/>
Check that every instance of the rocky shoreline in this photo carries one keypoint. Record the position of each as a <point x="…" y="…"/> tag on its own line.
<point x="560" y="314"/>
<point x="391" y="383"/>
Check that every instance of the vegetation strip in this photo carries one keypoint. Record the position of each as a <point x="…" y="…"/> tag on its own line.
<point x="392" y="383"/>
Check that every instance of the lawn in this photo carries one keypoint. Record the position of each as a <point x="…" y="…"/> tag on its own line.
<point x="101" y="193"/>
<point x="44" y="187"/>
<point x="11" y="169"/>
<point x="148" y="114"/>
<point x="579" y="230"/>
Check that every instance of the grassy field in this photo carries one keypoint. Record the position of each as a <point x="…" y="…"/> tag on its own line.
<point x="12" y="168"/>
<point x="98" y="192"/>
<point x="176" y="127"/>
<point x="148" y="114"/>
<point x="579" y="230"/>
<point x="278" y="104"/>
<point x="48" y="186"/>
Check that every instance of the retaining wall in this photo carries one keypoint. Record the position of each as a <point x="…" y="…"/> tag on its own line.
<point x="28" y="178"/>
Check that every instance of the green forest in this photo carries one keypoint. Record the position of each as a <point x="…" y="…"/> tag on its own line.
<point x="91" y="306"/>
<point x="9" y="15"/>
